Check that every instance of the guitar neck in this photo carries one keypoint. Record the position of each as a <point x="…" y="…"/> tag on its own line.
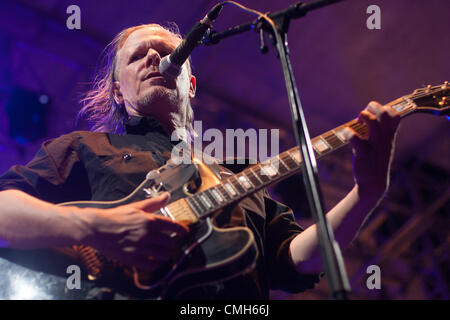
<point x="279" y="167"/>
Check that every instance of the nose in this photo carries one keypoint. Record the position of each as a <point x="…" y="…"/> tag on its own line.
<point x="153" y="58"/>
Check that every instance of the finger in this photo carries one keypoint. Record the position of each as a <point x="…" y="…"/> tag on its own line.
<point x="153" y="204"/>
<point x="375" y="108"/>
<point x="373" y="124"/>
<point x="388" y="117"/>
<point x="390" y="120"/>
<point x="359" y="144"/>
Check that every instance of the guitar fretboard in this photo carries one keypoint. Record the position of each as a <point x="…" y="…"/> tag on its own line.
<point x="279" y="167"/>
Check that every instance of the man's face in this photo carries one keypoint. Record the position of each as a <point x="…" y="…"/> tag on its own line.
<point x="140" y="86"/>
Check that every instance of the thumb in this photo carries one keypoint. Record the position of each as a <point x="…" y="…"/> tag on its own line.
<point x="152" y="204"/>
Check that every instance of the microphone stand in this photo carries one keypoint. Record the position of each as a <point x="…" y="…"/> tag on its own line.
<point x="329" y="248"/>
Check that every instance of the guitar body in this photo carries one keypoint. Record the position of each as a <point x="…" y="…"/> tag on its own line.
<point x="211" y="255"/>
<point x="225" y="254"/>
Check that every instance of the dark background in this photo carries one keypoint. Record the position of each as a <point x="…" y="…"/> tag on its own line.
<point x="339" y="64"/>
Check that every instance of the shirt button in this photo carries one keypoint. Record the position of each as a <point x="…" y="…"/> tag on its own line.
<point x="127" y="157"/>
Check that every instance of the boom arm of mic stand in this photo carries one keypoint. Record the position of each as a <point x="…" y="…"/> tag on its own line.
<point x="294" y="11"/>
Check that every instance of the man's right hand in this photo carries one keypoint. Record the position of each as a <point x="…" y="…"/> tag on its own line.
<point x="135" y="236"/>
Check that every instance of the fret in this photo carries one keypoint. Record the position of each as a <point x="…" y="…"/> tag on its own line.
<point x="258" y="172"/>
<point x="229" y="187"/>
<point x="211" y="197"/>
<point x="283" y="164"/>
<point x="252" y="178"/>
<point x="244" y="181"/>
<point x="282" y="167"/>
<point x="321" y="145"/>
<point x="205" y="200"/>
<point x="195" y="205"/>
<point x="356" y="125"/>
<point x="268" y="170"/>
<point x="332" y="140"/>
<point x="402" y="106"/>
<point x="340" y="134"/>
<point x="295" y="155"/>
<point x="221" y="189"/>
<point x="199" y="203"/>
<point x="236" y="184"/>
<point x="217" y="195"/>
<point x="280" y="157"/>
<point x="291" y="161"/>
<point x="360" y="128"/>
<point x="274" y="166"/>
<point x="316" y="154"/>
<point x="181" y="210"/>
<point x="257" y="179"/>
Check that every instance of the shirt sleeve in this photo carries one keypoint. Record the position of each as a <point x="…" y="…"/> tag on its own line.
<point x="55" y="174"/>
<point x="281" y="228"/>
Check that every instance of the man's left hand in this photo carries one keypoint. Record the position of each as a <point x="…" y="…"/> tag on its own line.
<point x="372" y="153"/>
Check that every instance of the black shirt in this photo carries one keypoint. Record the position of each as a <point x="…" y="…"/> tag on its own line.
<point x="85" y="165"/>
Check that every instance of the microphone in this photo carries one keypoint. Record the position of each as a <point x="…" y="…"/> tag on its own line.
<point x="170" y="66"/>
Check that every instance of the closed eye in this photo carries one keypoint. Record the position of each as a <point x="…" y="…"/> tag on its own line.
<point x="136" y="57"/>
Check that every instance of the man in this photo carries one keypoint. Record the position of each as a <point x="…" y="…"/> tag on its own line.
<point x="140" y="109"/>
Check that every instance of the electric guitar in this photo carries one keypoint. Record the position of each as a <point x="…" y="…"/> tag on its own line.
<point x="211" y="254"/>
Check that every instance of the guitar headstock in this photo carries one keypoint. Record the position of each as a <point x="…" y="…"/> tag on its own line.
<point x="432" y="99"/>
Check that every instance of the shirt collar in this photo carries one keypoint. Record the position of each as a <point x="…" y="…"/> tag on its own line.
<point x="143" y="125"/>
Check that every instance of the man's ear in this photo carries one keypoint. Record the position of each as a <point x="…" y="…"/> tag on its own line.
<point x="192" y="87"/>
<point x="117" y="94"/>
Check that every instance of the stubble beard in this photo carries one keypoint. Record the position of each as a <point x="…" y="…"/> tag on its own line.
<point x="164" y="105"/>
<point x="159" y="98"/>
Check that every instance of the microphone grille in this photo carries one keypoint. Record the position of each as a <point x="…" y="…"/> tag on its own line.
<point x="169" y="69"/>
